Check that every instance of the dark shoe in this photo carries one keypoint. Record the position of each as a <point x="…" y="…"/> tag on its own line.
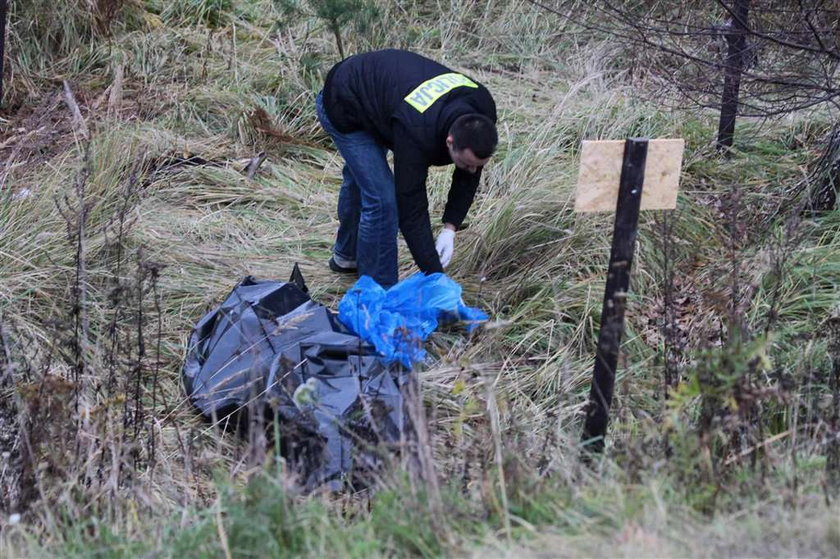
<point x="340" y="269"/>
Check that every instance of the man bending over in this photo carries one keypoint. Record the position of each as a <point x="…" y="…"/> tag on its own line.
<point x="427" y="115"/>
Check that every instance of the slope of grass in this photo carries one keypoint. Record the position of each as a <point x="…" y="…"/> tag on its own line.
<point x="112" y="248"/>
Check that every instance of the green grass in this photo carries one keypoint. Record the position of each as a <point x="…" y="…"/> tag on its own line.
<point x="504" y="404"/>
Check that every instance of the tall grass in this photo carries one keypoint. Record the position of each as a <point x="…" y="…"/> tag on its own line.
<point x="179" y="97"/>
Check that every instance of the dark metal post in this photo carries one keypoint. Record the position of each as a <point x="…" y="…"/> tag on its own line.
<point x="615" y="293"/>
<point x="3" y="10"/>
<point x="736" y="40"/>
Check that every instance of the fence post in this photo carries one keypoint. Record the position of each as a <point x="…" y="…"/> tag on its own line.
<point x="615" y="293"/>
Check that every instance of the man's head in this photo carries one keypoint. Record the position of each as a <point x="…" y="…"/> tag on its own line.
<point x="471" y="141"/>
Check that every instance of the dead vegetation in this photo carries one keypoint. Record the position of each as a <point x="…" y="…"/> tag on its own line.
<point x="116" y="240"/>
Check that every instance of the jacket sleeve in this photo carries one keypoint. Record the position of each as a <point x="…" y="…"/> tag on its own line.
<point x="461" y="195"/>
<point x="410" y="171"/>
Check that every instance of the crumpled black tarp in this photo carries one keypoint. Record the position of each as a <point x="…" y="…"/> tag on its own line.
<point x="269" y="349"/>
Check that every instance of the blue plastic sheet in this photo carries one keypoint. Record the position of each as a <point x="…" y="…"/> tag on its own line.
<point x="398" y="320"/>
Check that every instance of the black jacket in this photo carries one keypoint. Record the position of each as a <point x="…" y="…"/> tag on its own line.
<point x="408" y="103"/>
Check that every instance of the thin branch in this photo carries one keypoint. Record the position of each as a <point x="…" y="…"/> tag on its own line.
<point x="79" y="123"/>
<point x="754" y="32"/>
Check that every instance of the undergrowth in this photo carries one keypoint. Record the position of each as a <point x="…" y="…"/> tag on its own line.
<point x="117" y="236"/>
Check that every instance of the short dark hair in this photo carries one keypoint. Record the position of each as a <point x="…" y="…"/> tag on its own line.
<point x="474" y="131"/>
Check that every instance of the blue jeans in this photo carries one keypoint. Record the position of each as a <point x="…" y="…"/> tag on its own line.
<point x="367" y="203"/>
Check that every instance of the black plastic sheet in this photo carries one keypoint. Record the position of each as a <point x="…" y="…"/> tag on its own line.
<point x="269" y="351"/>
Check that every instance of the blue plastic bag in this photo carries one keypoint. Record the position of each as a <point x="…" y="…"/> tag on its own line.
<point x="397" y="321"/>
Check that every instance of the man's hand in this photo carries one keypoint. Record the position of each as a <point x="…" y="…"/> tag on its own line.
<point x="445" y="244"/>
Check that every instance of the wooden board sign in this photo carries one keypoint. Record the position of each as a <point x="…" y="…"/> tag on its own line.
<point x="600" y="172"/>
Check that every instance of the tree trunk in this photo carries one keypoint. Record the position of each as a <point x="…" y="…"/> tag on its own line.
<point x="825" y="177"/>
<point x="736" y="39"/>
<point x="832" y="462"/>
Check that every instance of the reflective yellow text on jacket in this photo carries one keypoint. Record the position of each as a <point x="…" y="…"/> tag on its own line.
<point x="425" y="94"/>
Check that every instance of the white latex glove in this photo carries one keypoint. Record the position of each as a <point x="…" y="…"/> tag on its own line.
<point x="445" y="246"/>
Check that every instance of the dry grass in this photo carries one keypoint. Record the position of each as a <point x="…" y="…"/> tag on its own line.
<point x="162" y="241"/>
